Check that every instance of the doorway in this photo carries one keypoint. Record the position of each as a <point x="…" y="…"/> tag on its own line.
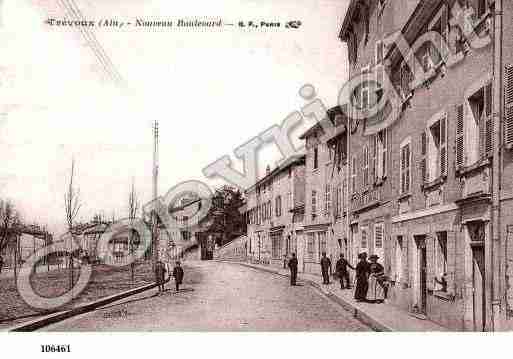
<point x="477" y="234"/>
<point x="422" y="274"/>
<point x="478" y="285"/>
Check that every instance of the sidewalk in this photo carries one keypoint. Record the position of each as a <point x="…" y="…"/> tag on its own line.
<point x="381" y="317"/>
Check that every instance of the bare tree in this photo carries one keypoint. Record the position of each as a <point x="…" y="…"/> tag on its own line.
<point x="72" y="206"/>
<point x="133" y="209"/>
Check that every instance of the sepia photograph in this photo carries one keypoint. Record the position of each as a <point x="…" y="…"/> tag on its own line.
<point x="242" y="166"/>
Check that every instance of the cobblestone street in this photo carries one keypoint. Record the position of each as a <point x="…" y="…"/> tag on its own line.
<point x="222" y="297"/>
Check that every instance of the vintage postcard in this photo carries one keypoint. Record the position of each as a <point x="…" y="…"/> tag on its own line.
<point x="255" y="166"/>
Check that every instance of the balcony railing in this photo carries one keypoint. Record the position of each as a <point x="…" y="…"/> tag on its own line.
<point x="368" y="198"/>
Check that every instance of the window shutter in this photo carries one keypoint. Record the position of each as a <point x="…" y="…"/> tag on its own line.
<point x="460" y="156"/>
<point x="431" y="260"/>
<point x="385" y="153"/>
<point x="408" y="167"/>
<point x="423" y="164"/>
<point x="445" y="33"/>
<point x="374" y="170"/>
<point x="488" y="120"/>
<point x="403" y="170"/>
<point x="508" y="101"/>
<point x="443" y="146"/>
<point x="378" y="234"/>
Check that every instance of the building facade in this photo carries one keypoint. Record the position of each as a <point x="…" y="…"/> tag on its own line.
<point x="274" y="212"/>
<point x="325" y="223"/>
<point x="430" y="193"/>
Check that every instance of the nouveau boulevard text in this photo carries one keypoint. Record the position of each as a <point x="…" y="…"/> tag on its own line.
<point x="136" y="23"/>
<point x="169" y="23"/>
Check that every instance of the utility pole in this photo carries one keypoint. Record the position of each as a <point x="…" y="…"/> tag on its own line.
<point x="155" y="190"/>
<point x="497" y="275"/>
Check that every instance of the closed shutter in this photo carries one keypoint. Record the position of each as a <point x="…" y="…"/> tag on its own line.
<point x="423" y="164"/>
<point x="430" y="261"/>
<point x="374" y="169"/>
<point x="403" y="170"/>
<point x="408" y="167"/>
<point x="451" y="262"/>
<point x="445" y="33"/>
<point x="443" y="146"/>
<point x="385" y="152"/>
<point x="508" y="101"/>
<point x="488" y="120"/>
<point x="460" y="139"/>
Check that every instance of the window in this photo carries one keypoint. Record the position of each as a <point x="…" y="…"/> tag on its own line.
<point x="439" y="24"/>
<point x="381" y="144"/>
<point x="441" y="261"/>
<point x="399" y="259"/>
<point x="407" y="76"/>
<point x="427" y="62"/>
<point x="314" y="204"/>
<point x="278" y="206"/>
<point x="322" y="243"/>
<point x="327" y="199"/>
<point x="379" y="68"/>
<point x="276" y="245"/>
<point x="366" y="165"/>
<point x="310" y="245"/>
<point x="364" y="89"/>
<point x="186" y="235"/>
<point x="405" y="173"/>
<point x="269" y="210"/>
<point x="364" y="238"/>
<point x="378" y="236"/>
<point x="338" y="201"/>
<point x="344" y="189"/>
<point x="436" y="141"/>
<point x="480" y="7"/>
<point x="315" y="158"/>
<point x="353" y="175"/>
<point x="289" y="200"/>
<point x="478" y="125"/>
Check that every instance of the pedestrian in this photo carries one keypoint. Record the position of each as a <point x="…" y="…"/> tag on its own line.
<point x="325" y="268"/>
<point x="293" y="269"/>
<point x="178" y="274"/>
<point x="342" y="272"/>
<point x="362" y="278"/>
<point x="377" y="281"/>
<point x="160" y="273"/>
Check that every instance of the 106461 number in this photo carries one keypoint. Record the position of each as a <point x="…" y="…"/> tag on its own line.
<point x="56" y="348"/>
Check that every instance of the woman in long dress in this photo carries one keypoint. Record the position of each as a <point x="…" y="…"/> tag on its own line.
<point x="376" y="292"/>
<point x="362" y="278"/>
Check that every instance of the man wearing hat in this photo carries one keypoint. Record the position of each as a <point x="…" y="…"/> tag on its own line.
<point x="293" y="269"/>
<point x="178" y="274"/>
<point x="160" y="273"/>
<point x="342" y="272"/>
<point x="325" y="268"/>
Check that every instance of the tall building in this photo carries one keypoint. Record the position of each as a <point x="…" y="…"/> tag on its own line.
<point x="275" y="207"/>
<point x="325" y="222"/>
<point x="430" y="192"/>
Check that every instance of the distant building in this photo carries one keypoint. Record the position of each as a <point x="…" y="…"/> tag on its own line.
<point x="274" y="213"/>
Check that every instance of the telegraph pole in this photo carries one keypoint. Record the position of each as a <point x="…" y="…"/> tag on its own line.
<point x="155" y="190"/>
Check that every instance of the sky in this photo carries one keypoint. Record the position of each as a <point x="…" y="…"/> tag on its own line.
<point x="211" y="90"/>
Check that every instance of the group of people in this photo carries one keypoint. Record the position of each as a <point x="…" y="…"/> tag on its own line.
<point x="371" y="283"/>
<point x="160" y="275"/>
